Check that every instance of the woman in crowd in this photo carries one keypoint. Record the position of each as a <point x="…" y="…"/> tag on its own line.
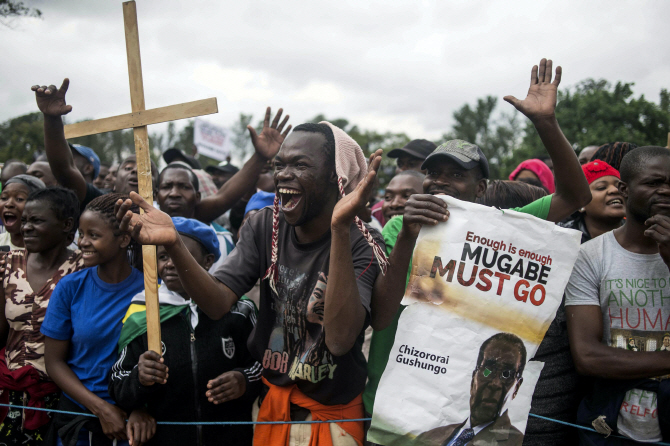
<point x="606" y="210"/>
<point x="82" y="327"/>
<point x="12" y="201"/>
<point x="534" y="172"/>
<point x="48" y="221"/>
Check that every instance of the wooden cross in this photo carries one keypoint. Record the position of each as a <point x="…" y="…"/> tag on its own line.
<point x="138" y="121"/>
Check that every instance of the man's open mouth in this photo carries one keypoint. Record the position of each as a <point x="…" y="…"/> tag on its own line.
<point x="290" y="198"/>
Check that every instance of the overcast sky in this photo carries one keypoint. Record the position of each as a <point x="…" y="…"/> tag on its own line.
<point x="385" y="65"/>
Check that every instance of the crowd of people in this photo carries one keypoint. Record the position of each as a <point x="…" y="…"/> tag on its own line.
<point x="251" y="329"/>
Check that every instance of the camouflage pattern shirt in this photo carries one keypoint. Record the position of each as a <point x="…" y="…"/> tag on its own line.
<point x="25" y="310"/>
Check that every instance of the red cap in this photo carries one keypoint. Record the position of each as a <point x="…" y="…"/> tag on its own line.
<point x="598" y="169"/>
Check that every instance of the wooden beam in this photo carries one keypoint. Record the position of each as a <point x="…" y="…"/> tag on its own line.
<point x="144" y="177"/>
<point x="143" y="118"/>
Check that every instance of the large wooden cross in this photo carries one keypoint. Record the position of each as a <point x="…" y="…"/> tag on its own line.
<point x="138" y="121"/>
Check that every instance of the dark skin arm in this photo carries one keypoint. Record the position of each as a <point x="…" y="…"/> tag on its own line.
<point x="155" y="227"/>
<point x="343" y="314"/>
<point x="111" y="417"/>
<point x="593" y="358"/>
<point x="389" y="289"/>
<point x="267" y="145"/>
<point x="51" y="102"/>
<point x="572" y="189"/>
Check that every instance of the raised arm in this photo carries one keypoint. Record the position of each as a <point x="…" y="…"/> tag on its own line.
<point x="344" y="314"/>
<point x="51" y="102"/>
<point x="154" y="227"/>
<point x="572" y="190"/>
<point x="593" y="358"/>
<point x="267" y="145"/>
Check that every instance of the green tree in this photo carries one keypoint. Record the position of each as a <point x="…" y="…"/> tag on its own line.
<point x="597" y="112"/>
<point x="497" y="137"/>
<point x="22" y="137"/>
<point x="12" y="9"/>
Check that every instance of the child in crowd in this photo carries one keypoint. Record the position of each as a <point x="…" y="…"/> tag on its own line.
<point x="12" y="201"/>
<point x="49" y="219"/>
<point x="212" y="376"/>
<point x="82" y="327"/>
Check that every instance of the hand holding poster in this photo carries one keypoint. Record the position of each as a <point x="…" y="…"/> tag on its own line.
<point x="211" y="140"/>
<point x="483" y="290"/>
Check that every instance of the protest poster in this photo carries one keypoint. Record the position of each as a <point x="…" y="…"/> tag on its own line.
<point x="211" y="140"/>
<point x="483" y="289"/>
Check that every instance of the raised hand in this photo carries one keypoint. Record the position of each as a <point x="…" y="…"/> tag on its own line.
<point x="267" y="144"/>
<point x="154" y="227"/>
<point x="658" y="228"/>
<point x="423" y="209"/>
<point x="151" y="369"/>
<point x="225" y="387"/>
<point x="51" y="100"/>
<point x="541" y="99"/>
<point x="350" y="205"/>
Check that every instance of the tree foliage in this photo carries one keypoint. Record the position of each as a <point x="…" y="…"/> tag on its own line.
<point x="12" y="9"/>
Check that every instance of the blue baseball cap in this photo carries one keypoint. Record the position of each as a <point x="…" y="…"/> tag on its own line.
<point x="199" y="232"/>
<point x="90" y="155"/>
<point x="259" y="200"/>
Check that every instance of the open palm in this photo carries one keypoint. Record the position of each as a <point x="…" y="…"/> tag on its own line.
<point x="267" y="144"/>
<point x="51" y="100"/>
<point x="349" y="205"/>
<point x="541" y="99"/>
<point x="153" y="227"/>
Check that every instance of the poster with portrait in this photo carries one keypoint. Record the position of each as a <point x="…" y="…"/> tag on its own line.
<point x="484" y="288"/>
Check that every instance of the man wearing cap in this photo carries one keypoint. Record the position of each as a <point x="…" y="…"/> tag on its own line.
<point x="222" y="173"/>
<point x="460" y="169"/>
<point x="206" y="372"/>
<point x="409" y="157"/>
<point x="86" y="161"/>
<point x="412" y="155"/>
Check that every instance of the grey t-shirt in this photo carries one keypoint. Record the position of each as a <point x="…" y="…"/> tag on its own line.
<point x="633" y="292"/>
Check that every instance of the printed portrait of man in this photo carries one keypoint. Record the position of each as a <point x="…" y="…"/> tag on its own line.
<point x="495" y="381"/>
<point x="666" y="343"/>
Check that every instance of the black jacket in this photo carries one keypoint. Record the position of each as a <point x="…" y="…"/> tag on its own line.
<point x="193" y="358"/>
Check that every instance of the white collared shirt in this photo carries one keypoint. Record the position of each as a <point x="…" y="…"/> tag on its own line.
<point x="476" y="429"/>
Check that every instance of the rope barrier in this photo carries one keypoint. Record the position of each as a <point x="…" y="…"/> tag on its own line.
<point x="232" y="423"/>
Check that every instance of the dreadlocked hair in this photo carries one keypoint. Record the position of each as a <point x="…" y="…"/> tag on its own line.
<point x="63" y="202"/>
<point x="104" y="206"/>
<point x="613" y="153"/>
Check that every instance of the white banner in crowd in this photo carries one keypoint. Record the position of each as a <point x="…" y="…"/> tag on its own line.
<point x="484" y="288"/>
<point x="211" y="140"/>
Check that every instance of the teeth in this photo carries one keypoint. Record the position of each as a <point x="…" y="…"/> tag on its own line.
<point x="288" y="191"/>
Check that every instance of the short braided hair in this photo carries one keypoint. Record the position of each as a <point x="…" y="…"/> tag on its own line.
<point x="104" y="205"/>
